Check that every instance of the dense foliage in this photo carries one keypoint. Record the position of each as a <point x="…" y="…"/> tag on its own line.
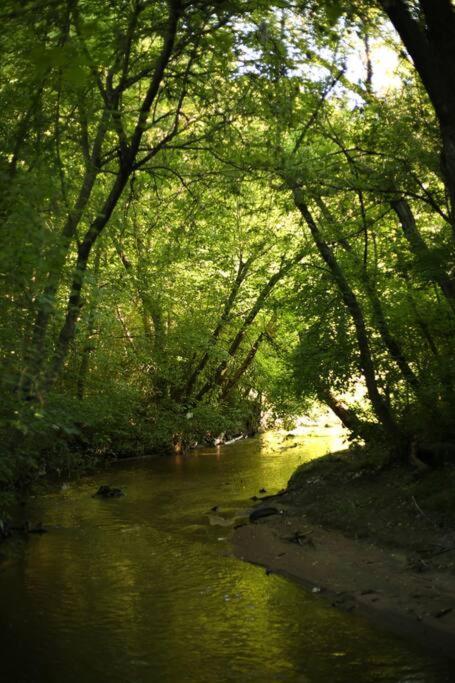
<point x="212" y="209"/>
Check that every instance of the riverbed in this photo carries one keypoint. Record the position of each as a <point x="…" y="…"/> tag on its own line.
<point x="144" y="588"/>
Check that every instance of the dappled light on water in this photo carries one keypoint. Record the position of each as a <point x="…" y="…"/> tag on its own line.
<point x="144" y="588"/>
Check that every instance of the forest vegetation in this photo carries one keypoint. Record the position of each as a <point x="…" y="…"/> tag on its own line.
<point x="216" y="208"/>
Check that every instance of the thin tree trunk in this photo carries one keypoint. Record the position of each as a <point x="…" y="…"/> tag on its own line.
<point x="85" y="358"/>
<point x="242" y="271"/>
<point x="151" y="315"/>
<point x="46" y="301"/>
<point x="422" y="252"/>
<point x="445" y="375"/>
<point x="420" y="321"/>
<point x="67" y="331"/>
<point x="126" y="166"/>
<point x="220" y="371"/>
<point x="125" y="329"/>
<point x="366" y="364"/>
<point x="232" y="382"/>
<point x="88" y="345"/>
<point x="390" y="341"/>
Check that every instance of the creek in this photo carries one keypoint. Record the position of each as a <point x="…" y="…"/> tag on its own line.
<point x="144" y="588"/>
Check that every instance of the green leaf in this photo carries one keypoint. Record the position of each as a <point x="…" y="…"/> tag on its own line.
<point x="334" y="10"/>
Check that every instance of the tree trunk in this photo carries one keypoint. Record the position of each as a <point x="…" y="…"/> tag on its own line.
<point x="366" y="363"/>
<point x="68" y="329"/>
<point x="430" y="40"/>
<point x="242" y="271"/>
<point x="220" y="371"/>
<point x="232" y="382"/>
<point x="390" y="341"/>
<point x="422" y="253"/>
<point x="35" y="357"/>
<point x="88" y="345"/>
<point x="347" y="416"/>
<point x="127" y="164"/>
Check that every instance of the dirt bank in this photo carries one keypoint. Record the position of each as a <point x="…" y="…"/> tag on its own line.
<point x="379" y="541"/>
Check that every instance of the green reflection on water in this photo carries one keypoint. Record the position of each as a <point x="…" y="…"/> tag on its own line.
<point x="143" y="588"/>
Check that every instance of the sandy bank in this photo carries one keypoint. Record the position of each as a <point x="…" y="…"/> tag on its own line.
<point x="389" y="568"/>
<point x="356" y="576"/>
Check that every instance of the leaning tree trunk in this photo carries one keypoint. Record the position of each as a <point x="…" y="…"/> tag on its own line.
<point x="242" y="271"/>
<point x="391" y="343"/>
<point x="366" y="363"/>
<point x="422" y="253"/>
<point x="235" y="378"/>
<point x="68" y="329"/>
<point x="220" y="372"/>
<point x="348" y="417"/>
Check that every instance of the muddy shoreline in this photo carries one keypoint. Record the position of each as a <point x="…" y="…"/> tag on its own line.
<point x="365" y="563"/>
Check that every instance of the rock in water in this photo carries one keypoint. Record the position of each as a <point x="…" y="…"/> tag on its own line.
<point x="115" y="493"/>
<point x="38" y="529"/>
<point x="263" y="512"/>
<point x="108" y="492"/>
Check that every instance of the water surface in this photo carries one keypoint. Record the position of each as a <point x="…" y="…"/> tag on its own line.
<point x="143" y="588"/>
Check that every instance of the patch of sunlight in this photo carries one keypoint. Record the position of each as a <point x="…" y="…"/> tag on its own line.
<point x="385" y="62"/>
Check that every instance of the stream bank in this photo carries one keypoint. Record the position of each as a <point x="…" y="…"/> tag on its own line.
<point x="375" y="540"/>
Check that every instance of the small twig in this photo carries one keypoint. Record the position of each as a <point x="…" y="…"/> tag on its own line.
<point x="419" y="509"/>
<point x="442" y="551"/>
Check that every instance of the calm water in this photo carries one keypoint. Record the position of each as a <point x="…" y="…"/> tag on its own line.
<point x="143" y="589"/>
